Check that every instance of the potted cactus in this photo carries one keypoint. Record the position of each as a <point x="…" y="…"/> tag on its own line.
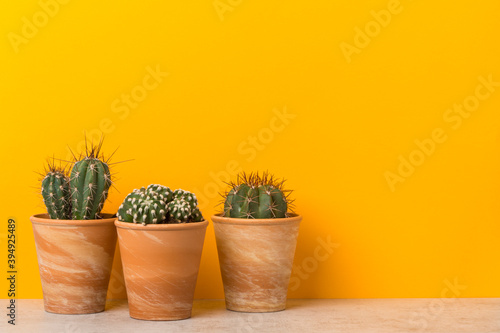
<point x="256" y="235"/>
<point x="161" y="234"/>
<point x="75" y="243"/>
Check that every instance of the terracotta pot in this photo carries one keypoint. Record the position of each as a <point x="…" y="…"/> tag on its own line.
<point x="160" y="266"/>
<point x="256" y="257"/>
<point x="75" y="259"/>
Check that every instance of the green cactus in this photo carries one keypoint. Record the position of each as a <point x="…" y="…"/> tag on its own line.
<point x="149" y="210"/>
<point x="89" y="185"/>
<point x="158" y="204"/>
<point x="187" y="196"/>
<point x="144" y="206"/>
<point x="256" y="196"/>
<point x="196" y="215"/>
<point x="126" y="210"/>
<point x="179" y="211"/>
<point x="55" y="193"/>
<point x="164" y="192"/>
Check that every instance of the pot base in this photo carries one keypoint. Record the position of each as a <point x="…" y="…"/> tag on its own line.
<point x="66" y="311"/>
<point x="149" y="317"/>
<point x="249" y="309"/>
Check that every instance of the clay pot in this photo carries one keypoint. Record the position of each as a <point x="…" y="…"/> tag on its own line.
<point x="75" y="259"/>
<point x="256" y="257"/>
<point x="160" y="266"/>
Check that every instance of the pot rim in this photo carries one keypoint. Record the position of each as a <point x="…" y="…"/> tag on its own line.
<point x="218" y="218"/>
<point x="45" y="219"/>
<point x="161" y="226"/>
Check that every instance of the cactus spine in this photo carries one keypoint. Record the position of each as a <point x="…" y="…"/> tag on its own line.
<point x="55" y="193"/>
<point x="256" y="196"/>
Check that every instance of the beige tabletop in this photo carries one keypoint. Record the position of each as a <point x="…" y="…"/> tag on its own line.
<point x="478" y="315"/>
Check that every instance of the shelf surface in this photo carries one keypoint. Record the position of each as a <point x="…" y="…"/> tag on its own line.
<point x="302" y="315"/>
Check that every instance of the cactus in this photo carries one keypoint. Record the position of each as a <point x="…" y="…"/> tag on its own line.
<point x="143" y="207"/>
<point x="125" y="211"/>
<point x="149" y="210"/>
<point x="164" y="192"/>
<point x="256" y="196"/>
<point x="158" y="204"/>
<point x="196" y="215"/>
<point x="179" y="211"/>
<point x="184" y="208"/>
<point x="89" y="185"/>
<point x="187" y="196"/>
<point x="80" y="196"/>
<point x="55" y="193"/>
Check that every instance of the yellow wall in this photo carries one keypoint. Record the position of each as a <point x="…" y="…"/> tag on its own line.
<point x="355" y="106"/>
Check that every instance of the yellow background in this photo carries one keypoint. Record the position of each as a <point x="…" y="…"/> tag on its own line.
<point x="227" y="79"/>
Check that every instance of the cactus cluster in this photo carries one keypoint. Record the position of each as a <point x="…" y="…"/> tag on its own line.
<point x="255" y="196"/>
<point x="81" y="195"/>
<point x="158" y="204"/>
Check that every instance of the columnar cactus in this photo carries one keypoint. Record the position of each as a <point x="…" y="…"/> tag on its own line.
<point x="256" y="197"/>
<point x="158" y="204"/>
<point x="55" y="193"/>
<point x="89" y="184"/>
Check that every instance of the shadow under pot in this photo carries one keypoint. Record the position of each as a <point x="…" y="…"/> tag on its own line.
<point x="75" y="258"/>
<point x="160" y="266"/>
<point x="256" y="257"/>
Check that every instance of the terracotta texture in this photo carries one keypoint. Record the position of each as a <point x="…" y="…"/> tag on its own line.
<point x="256" y="257"/>
<point x="160" y="266"/>
<point x="75" y="259"/>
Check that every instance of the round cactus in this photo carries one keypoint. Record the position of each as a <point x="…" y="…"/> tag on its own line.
<point x="196" y="215"/>
<point x="55" y="193"/>
<point x="163" y="192"/>
<point x="149" y="211"/>
<point x="256" y="197"/>
<point x="142" y="207"/>
<point x="179" y="211"/>
<point x="125" y="211"/>
<point x="186" y="196"/>
<point x="158" y="204"/>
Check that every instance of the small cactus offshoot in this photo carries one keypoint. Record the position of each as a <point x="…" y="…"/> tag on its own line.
<point x="255" y="196"/>
<point x="55" y="192"/>
<point x="158" y="204"/>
